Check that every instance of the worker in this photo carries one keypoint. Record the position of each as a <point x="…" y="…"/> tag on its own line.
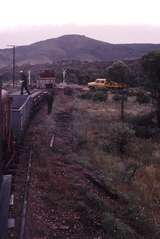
<point x="50" y="99"/>
<point x="23" y="82"/>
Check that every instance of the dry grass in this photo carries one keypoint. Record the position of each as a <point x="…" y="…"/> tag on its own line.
<point x="86" y="178"/>
<point x="91" y="124"/>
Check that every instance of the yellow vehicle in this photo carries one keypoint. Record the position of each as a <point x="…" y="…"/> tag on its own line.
<point x="103" y="84"/>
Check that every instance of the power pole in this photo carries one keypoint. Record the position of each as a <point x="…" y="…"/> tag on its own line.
<point x="13" y="64"/>
<point x="29" y="77"/>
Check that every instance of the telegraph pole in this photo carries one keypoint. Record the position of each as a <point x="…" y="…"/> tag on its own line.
<point x="13" y="64"/>
<point x="29" y="77"/>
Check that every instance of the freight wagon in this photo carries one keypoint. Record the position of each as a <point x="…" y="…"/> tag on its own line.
<point x="17" y="111"/>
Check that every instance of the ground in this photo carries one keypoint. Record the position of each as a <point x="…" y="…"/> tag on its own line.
<point x="77" y="190"/>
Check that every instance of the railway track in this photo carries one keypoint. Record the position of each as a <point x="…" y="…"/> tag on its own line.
<point x="25" y="201"/>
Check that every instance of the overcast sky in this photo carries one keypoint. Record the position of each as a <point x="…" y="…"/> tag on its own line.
<point x="132" y="20"/>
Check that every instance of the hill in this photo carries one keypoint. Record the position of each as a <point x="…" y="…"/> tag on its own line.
<point x="73" y="47"/>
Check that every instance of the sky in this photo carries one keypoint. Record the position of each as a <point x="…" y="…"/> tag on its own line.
<point x="52" y="18"/>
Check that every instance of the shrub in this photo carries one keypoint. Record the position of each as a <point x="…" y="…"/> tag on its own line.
<point x="143" y="98"/>
<point x="68" y="91"/>
<point x="86" y="95"/>
<point x="146" y="132"/>
<point x="144" y="125"/>
<point x="116" y="228"/>
<point x="133" y="91"/>
<point x="120" y="136"/>
<point x="94" y="201"/>
<point x="142" y="151"/>
<point x="143" y="120"/>
<point x="100" y="96"/>
<point x="118" y="97"/>
<point x="94" y="95"/>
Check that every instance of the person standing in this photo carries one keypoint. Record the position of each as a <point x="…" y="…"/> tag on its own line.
<point x="24" y="82"/>
<point x="50" y="99"/>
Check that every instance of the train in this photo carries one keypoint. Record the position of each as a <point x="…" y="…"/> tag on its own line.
<point x="6" y="132"/>
<point x="15" y="114"/>
<point x="17" y="110"/>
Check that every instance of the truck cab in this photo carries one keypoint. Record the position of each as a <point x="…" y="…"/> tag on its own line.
<point x="106" y="84"/>
<point x="97" y="84"/>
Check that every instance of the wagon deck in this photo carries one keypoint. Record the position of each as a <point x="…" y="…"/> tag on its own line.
<point x="20" y="113"/>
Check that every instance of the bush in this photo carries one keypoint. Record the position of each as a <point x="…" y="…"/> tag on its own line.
<point x="94" y="201"/>
<point x="144" y="125"/>
<point x="86" y="96"/>
<point x="146" y="132"/>
<point x="118" y="97"/>
<point x="143" y="98"/>
<point x="143" y="120"/>
<point x="94" y="95"/>
<point x="68" y="91"/>
<point x="116" y="228"/>
<point x="100" y="96"/>
<point x="133" y="91"/>
<point x="120" y="137"/>
<point x="142" y="151"/>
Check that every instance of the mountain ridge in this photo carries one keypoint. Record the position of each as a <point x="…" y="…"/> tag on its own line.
<point x="74" y="47"/>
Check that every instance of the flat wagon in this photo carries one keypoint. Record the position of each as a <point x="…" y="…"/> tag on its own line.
<point x="20" y="113"/>
<point x="5" y="118"/>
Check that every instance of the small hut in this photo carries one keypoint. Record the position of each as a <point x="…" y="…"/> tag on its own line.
<point x="46" y="79"/>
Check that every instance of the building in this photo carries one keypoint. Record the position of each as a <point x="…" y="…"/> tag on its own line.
<point x="46" y="79"/>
